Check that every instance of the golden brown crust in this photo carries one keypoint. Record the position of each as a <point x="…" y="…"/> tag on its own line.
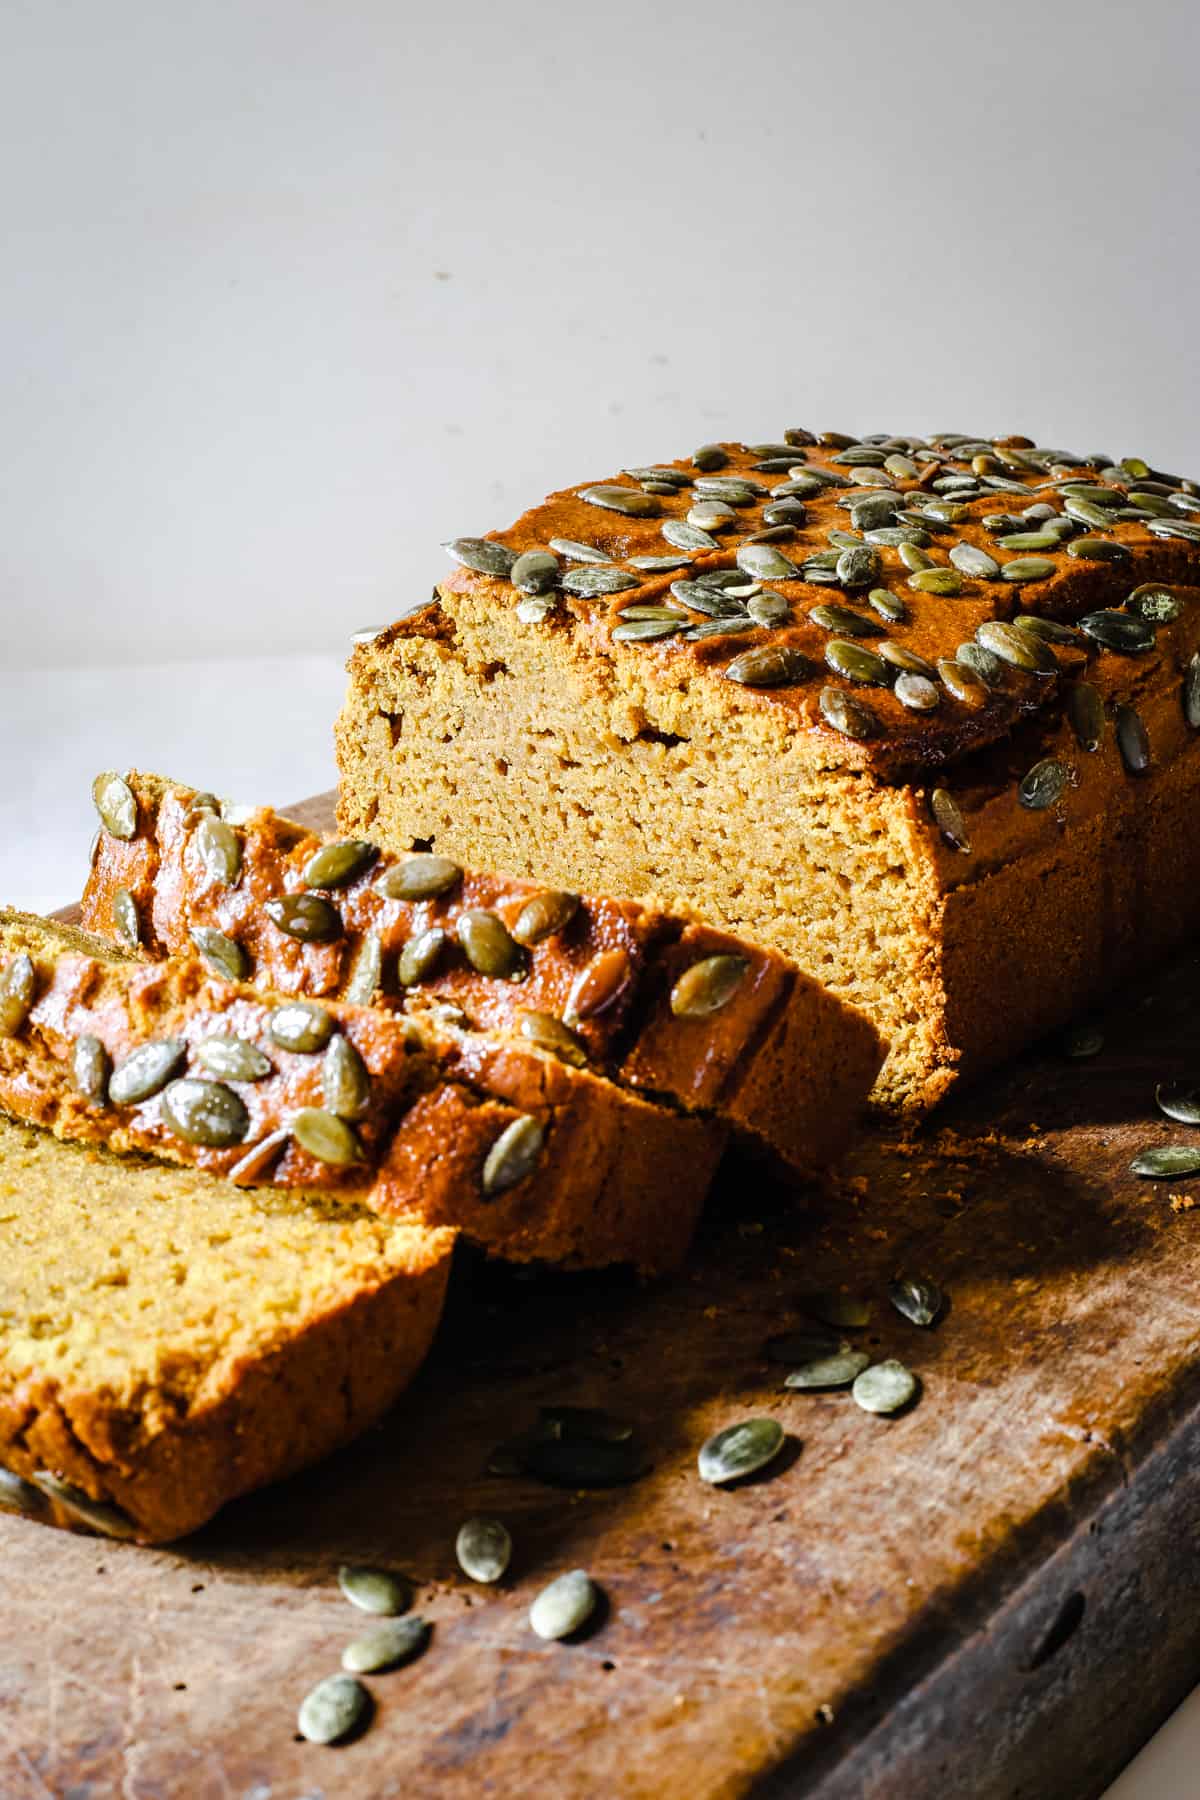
<point x="169" y="1431"/>
<point x="586" y="1199"/>
<point x="780" y="1061"/>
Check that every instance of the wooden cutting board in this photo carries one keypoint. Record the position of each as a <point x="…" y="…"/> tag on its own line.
<point x="995" y="1594"/>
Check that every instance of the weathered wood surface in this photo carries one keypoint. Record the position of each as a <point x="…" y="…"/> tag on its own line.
<point x="996" y="1594"/>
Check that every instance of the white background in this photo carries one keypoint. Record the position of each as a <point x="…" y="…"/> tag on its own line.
<point x="292" y="291"/>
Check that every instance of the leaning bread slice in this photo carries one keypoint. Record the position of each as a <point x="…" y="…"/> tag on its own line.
<point x="658" y="1002"/>
<point x="418" y="1119"/>
<point x="168" y="1341"/>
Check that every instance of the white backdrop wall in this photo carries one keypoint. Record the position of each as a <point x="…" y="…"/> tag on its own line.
<point x="294" y="290"/>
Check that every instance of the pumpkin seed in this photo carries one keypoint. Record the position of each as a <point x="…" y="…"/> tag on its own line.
<point x="842" y="619"/>
<point x="598" y="986"/>
<point x="769" y="665"/>
<point x="300" y="1025"/>
<point x="146" y="1071"/>
<point x="709" y="457"/>
<point x="885" y="1387"/>
<point x="988" y="668"/>
<point x="1108" y="499"/>
<point x="901" y="657"/>
<point x="916" y="692"/>
<point x="949" y="820"/>
<point x="326" y="1137"/>
<point x="233" y="1059"/>
<point x="1132" y="739"/>
<point x="1087" y="512"/>
<point x="1027" y="568"/>
<point x="534" y="572"/>
<point x="738" y="490"/>
<point x="488" y="944"/>
<point x="587" y="584"/>
<point x="513" y="1156"/>
<point x="854" y="662"/>
<point x="1186" y="529"/>
<point x="916" y="1298"/>
<point x="888" y="606"/>
<point x="333" y="1710"/>
<point x="765" y="563"/>
<point x="847" y="714"/>
<point x="972" y="561"/>
<point x="564" y="1607"/>
<point x="378" y="1591"/>
<point x="842" y="1310"/>
<point x="1158" y="604"/>
<point x="535" y="609"/>
<point x="543" y="915"/>
<point x="345" y="1080"/>
<point x="219" y="849"/>
<point x="946" y="582"/>
<point x="708" y="985"/>
<point x="858" y="567"/>
<point x="21" y="1497"/>
<point x="114" y="801"/>
<point x="1171" y="1161"/>
<point x="1043" y="785"/>
<point x="484" y="1549"/>
<point x="574" y="551"/>
<point x="1129" y="634"/>
<point x="740" y="1450"/>
<point x="657" y="564"/>
<point x="484" y="555"/>
<point x="91" y="1067"/>
<point x="894" y="535"/>
<point x="418" y="878"/>
<point x="220" y="952"/>
<point x="784" y="512"/>
<point x="109" y="1520"/>
<point x="914" y="558"/>
<point x="768" y="609"/>
<point x="837" y="1370"/>
<point x="1191" y="692"/>
<point x="18" y="983"/>
<point x="712" y="515"/>
<point x="1082" y="1040"/>
<point x="1085" y="710"/>
<point x="629" y="501"/>
<point x="1179" y="1100"/>
<point x="574" y="1462"/>
<point x="1051" y="631"/>
<point x="205" y="1112"/>
<point x="249" y="1168"/>
<point x="366" y="976"/>
<point x="1097" y="549"/>
<point x="1030" y="540"/>
<point x="646" y="631"/>
<point x="547" y="1033"/>
<point x="336" y="865"/>
<point x="1019" y="648"/>
<point x="806" y="1345"/>
<point x="687" y="537"/>
<point x="587" y="1424"/>
<point x="870" y="512"/>
<point x="387" y="1646"/>
<point x="306" y="917"/>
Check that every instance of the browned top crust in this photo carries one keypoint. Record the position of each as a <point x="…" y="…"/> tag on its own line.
<point x="1114" y="529"/>
<point x="602" y="983"/>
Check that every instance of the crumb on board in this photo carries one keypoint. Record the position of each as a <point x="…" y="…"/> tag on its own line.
<point x="1182" y="1202"/>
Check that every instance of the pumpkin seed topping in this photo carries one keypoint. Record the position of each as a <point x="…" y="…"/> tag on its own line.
<point x="378" y="1591"/>
<point x="484" y="555"/>
<point x="598" y="986"/>
<point x="1132" y="739"/>
<point x="1158" y="604"/>
<point x="843" y="620"/>
<point x="218" y="848"/>
<point x="114" y="801"/>
<point x="1170" y="1161"/>
<point x="645" y="631"/>
<point x="1097" y="549"/>
<point x="769" y="665"/>
<point x="418" y="878"/>
<point x="949" y="820"/>
<point x="1179" y="1100"/>
<point x="765" y="563"/>
<point x="587" y="584"/>
<point x="854" y="662"/>
<point x="146" y="1071"/>
<point x="484" y="1549"/>
<point x="847" y="714"/>
<point x="387" y="1646"/>
<point x="1043" y="786"/>
<point x="740" y="1450"/>
<point x="1085" y="710"/>
<point x="543" y="915"/>
<point x="18" y="1496"/>
<point x="18" y="984"/>
<point x="1129" y="634"/>
<point x="250" y="1168"/>
<point x="336" y="865"/>
<point x="577" y="552"/>
<point x="487" y="943"/>
<point x="916" y="692"/>
<point x="222" y="954"/>
<point x="916" y="1298"/>
<point x="308" y="918"/>
<point x="513" y="1156"/>
<point x="687" y="537"/>
<point x="534" y="572"/>
<point x="833" y="1371"/>
<point x="630" y="501"/>
<point x="1019" y="648"/>
<point x="888" y="606"/>
<point x="91" y="1067"/>
<point x="972" y="561"/>
<point x="709" y="457"/>
<point x="885" y="1387"/>
<point x="345" y="1080"/>
<point x="547" y="1033"/>
<point x="300" y="1025"/>
<point x="366" y="976"/>
<point x="564" y="1607"/>
<point x="946" y="582"/>
<point x="205" y="1112"/>
<point x="1191" y="692"/>
<point x="326" y="1137"/>
<point x="708" y="986"/>
<point x="333" y="1710"/>
<point x="1082" y="1040"/>
<point x="232" y="1058"/>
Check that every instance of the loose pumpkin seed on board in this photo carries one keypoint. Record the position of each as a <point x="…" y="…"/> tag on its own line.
<point x="386" y="1646"/>
<point x="484" y="1549"/>
<point x="379" y="1591"/>
<point x="565" y="1606"/>
<point x="740" y="1450"/>
<point x="333" y="1710"/>
<point x="885" y="1387"/>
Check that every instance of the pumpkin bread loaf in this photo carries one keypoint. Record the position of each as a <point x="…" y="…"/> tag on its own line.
<point x="922" y="713"/>
<point x="169" y="1341"/>
<point x="418" y="1120"/>
<point x="709" y="1024"/>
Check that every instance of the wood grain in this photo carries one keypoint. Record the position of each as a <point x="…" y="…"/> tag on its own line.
<point x="993" y="1595"/>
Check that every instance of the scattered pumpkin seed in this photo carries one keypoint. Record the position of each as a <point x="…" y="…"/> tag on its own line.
<point x="543" y="915"/>
<point x="1191" y="692"/>
<point x="847" y="714"/>
<point x="740" y="1450"/>
<point x="970" y="560"/>
<point x="576" y="1462"/>
<point x="1019" y="648"/>
<point x="589" y="583"/>
<point x="843" y="620"/>
<point x="91" y="1067"/>
<point x="219" y="849"/>
<point x="146" y="1071"/>
<point x="1158" y="604"/>
<point x="709" y="457"/>
<point x="378" y="1591"/>
<point x="307" y="917"/>
<point x="326" y="1137"/>
<point x="1179" y="1100"/>
<point x="333" y="1710"/>
<point x="205" y="1112"/>
<point x="885" y="1387"/>
<point x="564" y="1607"/>
<point x="420" y="877"/>
<point x="916" y="1298"/>
<point x="834" y="1371"/>
<point x="345" y="1081"/>
<point x="220" y="952"/>
<point x="232" y="1058"/>
<point x="598" y="986"/>
<point x="947" y="582"/>
<point x="1129" y="634"/>
<point x="1133" y="740"/>
<point x="366" y="976"/>
<point x="630" y="501"/>
<point x="336" y="865"/>
<point x="114" y="801"/>
<point x="1043" y="785"/>
<point x="484" y="1549"/>
<point x="687" y="537"/>
<point x="21" y="1497"/>
<point x="806" y="1345"/>
<point x="109" y="1520"/>
<point x="1085" y="710"/>
<point x="387" y="1646"/>
<point x="574" y="551"/>
<point x="484" y="555"/>
<point x="550" y="1034"/>
<point x="487" y="943"/>
<point x="769" y="665"/>
<point x="513" y="1156"/>
<point x="300" y="1025"/>
<point x="854" y="662"/>
<point x="1170" y="1161"/>
<point x="765" y="563"/>
<point x="949" y="820"/>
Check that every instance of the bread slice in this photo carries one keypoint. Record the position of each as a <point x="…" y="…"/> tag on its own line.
<point x="710" y="1023"/>
<point x="417" y="1119"/>
<point x="168" y="1341"/>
